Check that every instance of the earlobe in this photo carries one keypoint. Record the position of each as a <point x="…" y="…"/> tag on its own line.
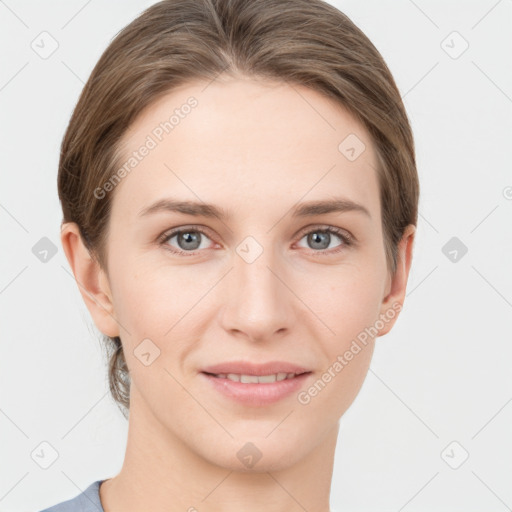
<point x="393" y="302"/>
<point x="91" y="280"/>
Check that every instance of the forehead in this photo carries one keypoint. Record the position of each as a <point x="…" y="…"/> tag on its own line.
<point x="248" y="141"/>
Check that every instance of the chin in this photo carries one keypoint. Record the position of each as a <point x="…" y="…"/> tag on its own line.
<point x="256" y="454"/>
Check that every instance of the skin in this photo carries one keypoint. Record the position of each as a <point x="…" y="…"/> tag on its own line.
<point x="254" y="148"/>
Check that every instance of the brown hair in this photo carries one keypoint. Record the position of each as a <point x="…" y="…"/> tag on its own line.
<point x="173" y="42"/>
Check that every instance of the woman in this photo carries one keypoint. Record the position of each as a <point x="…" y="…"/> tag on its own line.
<point x="240" y="194"/>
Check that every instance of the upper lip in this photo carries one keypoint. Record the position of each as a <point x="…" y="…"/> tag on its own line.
<point x="246" y="368"/>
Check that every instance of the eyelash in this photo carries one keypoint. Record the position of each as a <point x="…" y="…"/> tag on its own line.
<point x="348" y="239"/>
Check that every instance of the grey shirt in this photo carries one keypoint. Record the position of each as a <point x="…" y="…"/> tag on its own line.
<point x="87" y="501"/>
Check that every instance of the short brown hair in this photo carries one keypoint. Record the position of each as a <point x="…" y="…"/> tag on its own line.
<point x="173" y="42"/>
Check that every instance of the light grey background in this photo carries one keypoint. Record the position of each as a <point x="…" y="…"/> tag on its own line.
<point x="443" y="374"/>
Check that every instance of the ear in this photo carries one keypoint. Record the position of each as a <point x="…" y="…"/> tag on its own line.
<point x="91" y="279"/>
<point x="397" y="283"/>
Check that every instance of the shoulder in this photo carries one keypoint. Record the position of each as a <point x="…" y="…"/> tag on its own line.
<point x="86" y="501"/>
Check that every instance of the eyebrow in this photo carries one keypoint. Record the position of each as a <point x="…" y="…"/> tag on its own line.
<point x="307" y="209"/>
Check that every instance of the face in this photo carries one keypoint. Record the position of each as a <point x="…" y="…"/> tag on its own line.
<point x="266" y="277"/>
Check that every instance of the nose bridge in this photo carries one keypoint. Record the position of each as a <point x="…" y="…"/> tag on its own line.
<point x="258" y="303"/>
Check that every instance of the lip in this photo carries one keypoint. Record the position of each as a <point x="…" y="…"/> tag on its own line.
<point x="256" y="394"/>
<point x="247" y="368"/>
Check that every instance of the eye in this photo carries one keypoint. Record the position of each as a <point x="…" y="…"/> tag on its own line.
<point x="320" y="238"/>
<point x="188" y="240"/>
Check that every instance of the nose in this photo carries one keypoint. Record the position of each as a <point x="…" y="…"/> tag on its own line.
<point x="258" y="303"/>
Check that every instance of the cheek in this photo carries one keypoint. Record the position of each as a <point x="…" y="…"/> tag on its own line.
<point x="156" y="304"/>
<point x="148" y="302"/>
<point x="350" y="308"/>
<point x="347" y="300"/>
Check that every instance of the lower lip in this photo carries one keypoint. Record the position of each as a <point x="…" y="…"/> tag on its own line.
<point x="257" y="394"/>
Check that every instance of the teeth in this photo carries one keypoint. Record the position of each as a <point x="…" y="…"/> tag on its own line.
<point x="255" y="379"/>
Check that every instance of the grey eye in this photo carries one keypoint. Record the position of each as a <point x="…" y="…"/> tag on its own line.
<point x="187" y="240"/>
<point x="320" y="239"/>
